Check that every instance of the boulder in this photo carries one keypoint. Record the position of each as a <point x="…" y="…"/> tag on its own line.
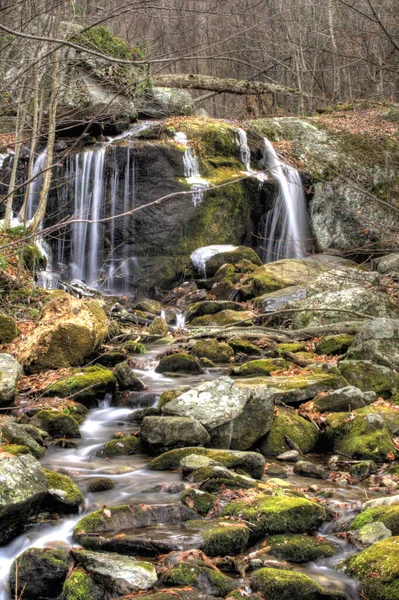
<point x="220" y="537"/>
<point x="362" y="469"/>
<point x="308" y="469"/>
<point x="378" y="341"/>
<point x="63" y="494"/>
<point x="244" y="347"/>
<point x="158" y="327"/>
<point x="118" y="574"/>
<point x="231" y="257"/>
<point x="127" y="380"/>
<point x="79" y="585"/>
<point x="179" y="363"/>
<point x="300" y="548"/>
<point x="16" y="433"/>
<point x="86" y="385"/>
<point x="389" y="264"/>
<point x="200" y="576"/>
<point x="129" y="444"/>
<point x="370" y="377"/>
<point x="57" y="424"/>
<point x="164" y="433"/>
<point x="287" y="422"/>
<point x="8" y="329"/>
<point x="275" y="300"/>
<point x="22" y="491"/>
<point x="345" y="399"/>
<point x="217" y="352"/>
<point x="259" y="367"/>
<point x="100" y="484"/>
<point x="10" y="372"/>
<point x="388" y="515"/>
<point x="288" y="585"/>
<point x="334" y="344"/>
<point x="211" y="307"/>
<point x="39" y="573"/>
<point x="369" y="534"/>
<point x="197" y="500"/>
<point x="255" y="421"/>
<point x="224" y="317"/>
<point x="68" y="331"/>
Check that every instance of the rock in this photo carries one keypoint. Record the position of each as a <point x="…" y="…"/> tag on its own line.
<point x="388" y="515"/>
<point x="179" y="363"/>
<point x="118" y="574"/>
<point x="169" y="395"/>
<point x="288" y="349"/>
<point x="79" y="586"/>
<point x="277" y="514"/>
<point x="369" y="534"/>
<point x="289" y="456"/>
<point x="308" y="469"/>
<point x="149" y="306"/>
<point x="288" y="585"/>
<point x="86" y="385"/>
<point x="220" y="537"/>
<point x="39" y="573"/>
<point x="57" y="424"/>
<point x="111" y="358"/>
<point x="275" y="470"/>
<point x="389" y="264"/>
<point x="300" y="548"/>
<point x="217" y="352"/>
<point x="259" y="367"/>
<point x="224" y="317"/>
<point x="20" y="434"/>
<point x="345" y="399"/>
<point x="10" y="372"/>
<point x="370" y="377"/>
<point x="127" y="380"/>
<point x="214" y="478"/>
<point x="275" y="300"/>
<point x="378" y="502"/>
<point x="197" y="500"/>
<point x="252" y="463"/>
<point x="201" y="577"/>
<point x="213" y="403"/>
<point x="391" y="417"/>
<point x="22" y="490"/>
<point x="63" y="494"/>
<point x="8" y="329"/>
<point x="210" y="307"/>
<point x="377" y="569"/>
<point x="334" y="344"/>
<point x="288" y="423"/>
<point x="158" y="327"/>
<point x="363" y="469"/>
<point x="244" y="347"/>
<point x="100" y="484"/>
<point x="231" y="257"/>
<point x="132" y="347"/>
<point x="120" y="447"/>
<point x="255" y="421"/>
<point x="164" y="433"/>
<point x="378" y="341"/>
<point x="68" y="331"/>
<point x="192" y="462"/>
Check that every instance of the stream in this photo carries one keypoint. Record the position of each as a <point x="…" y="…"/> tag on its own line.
<point x="134" y="483"/>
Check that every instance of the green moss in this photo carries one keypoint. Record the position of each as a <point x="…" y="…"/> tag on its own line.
<point x="369" y="377"/>
<point x="363" y="469"/>
<point x="335" y="344"/>
<point x="204" y="578"/>
<point x="179" y="363"/>
<point x="285" y="585"/>
<point x="377" y="568"/>
<point x="8" y="329"/>
<point x="32" y="259"/>
<point x="218" y="352"/>
<point x="149" y="306"/>
<point x="264" y="283"/>
<point x="100" y="484"/>
<point x="16" y="449"/>
<point x="101" y="39"/>
<point x="126" y="445"/>
<point x="110" y="359"/>
<point x="277" y="514"/>
<point x="73" y="496"/>
<point x="78" y="586"/>
<point x="158" y="327"/>
<point x="264" y="366"/>
<point x="288" y="422"/>
<point x="57" y="424"/>
<point x="243" y="347"/>
<point x="86" y="385"/>
<point x="132" y="347"/>
<point x="282" y="349"/>
<point x="388" y="515"/>
<point x="300" y="548"/>
<point x="201" y="502"/>
<point x="224" y="317"/>
<point x="221" y="538"/>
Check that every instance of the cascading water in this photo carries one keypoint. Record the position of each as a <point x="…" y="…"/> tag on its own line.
<point x="191" y="169"/>
<point x="245" y="151"/>
<point x="286" y="229"/>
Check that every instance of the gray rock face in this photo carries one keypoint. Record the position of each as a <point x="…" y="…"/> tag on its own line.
<point x="192" y="462"/>
<point x="389" y="264"/>
<point x="127" y="380"/>
<point x="369" y="534"/>
<point x="255" y="421"/>
<point x="23" y="486"/>
<point x="377" y="502"/>
<point x="369" y="377"/>
<point x="347" y="398"/>
<point x="10" y="372"/>
<point x="15" y="433"/>
<point x="164" y="433"/>
<point x="119" y="574"/>
<point x="290" y="456"/>
<point x="378" y="341"/>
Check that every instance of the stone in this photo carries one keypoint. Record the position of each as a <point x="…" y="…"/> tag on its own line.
<point x="388" y="264"/>
<point x="210" y="307"/>
<point x="345" y="399"/>
<point x="118" y="574"/>
<point x="212" y="403"/>
<point x="288" y="423"/>
<point x="240" y="346"/>
<point x="68" y="331"/>
<point x="57" y="424"/>
<point x="197" y="500"/>
<point x="287" y="585"/>
<point x="289" y="456"/>
<point x="334" y="344"/>
<point x="8" y="329"/>
<point x="148" y="305"/>
<point x="100" y="484"/>
<point x="224" y="317"/>
<point x="63" y="494"/>
<point x="179" y="363"/>
<point x="386" y="514"/>
<point x="164" y="433"/>
<point x="363" y="469"/>
<point x="231" y="257"/>
<point x="259" y="367"/>
<point x="10" y="372"/>
<point x="308" y="469"/>
<point x="111" y="358"/>
<point x="217" y="352"/>
<point x="378" y="502"/>
<point x="16" y="433"/>
<point x="22" y="491"/>
<point x="370" y="377"/>
<point x="87" y="385"/>
<point x="378" y="341"/>
<point x="274" y="300"/>
<point x="39" y="573"/>
<point x="214" y="478"/>
<point x="300" y="548"/>
<point x="129" y="444"/>
<point x="255" y="421"/>
<point x="192" y="462"/>
<point x="158" y="327"/>
<point x="201" y="577"/>
<point x="127" y="380"/>
<point x="369" y="534"/>
<point x="79" y="585"/>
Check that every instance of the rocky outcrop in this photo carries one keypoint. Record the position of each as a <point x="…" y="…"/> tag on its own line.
<point x="378" y="341"/>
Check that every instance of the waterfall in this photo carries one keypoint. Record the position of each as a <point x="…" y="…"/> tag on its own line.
<point x="36" y="185"/>
<point x="245" y="152"/>
<point x="286" y="229"/>
<point x="191" y="169"/>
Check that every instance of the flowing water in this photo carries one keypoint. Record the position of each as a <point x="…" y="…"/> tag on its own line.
<point x="200" y="256"/>
<point x="191" y="169"/>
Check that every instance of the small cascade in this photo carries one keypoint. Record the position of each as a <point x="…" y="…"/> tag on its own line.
<point x="286" y="229"/>
<point x="200" y="256"/>
<point x="245" y="151"/>
<point x="46" y="279"/>
<point x="191" y="169"/>
<point x="36" y="185"/>
<point x="134" y="131"/>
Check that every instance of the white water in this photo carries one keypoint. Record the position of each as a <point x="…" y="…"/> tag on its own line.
<point x="36" y="185"/>
<point x="286" y="229"/>
<point x="191" y="169"/>
<point x="200" y="256"/>
<point x="244" y="149"/>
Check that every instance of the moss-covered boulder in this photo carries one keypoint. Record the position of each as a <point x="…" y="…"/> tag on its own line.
<point x="300" y="548"/>
<point x="150" y="306"/>
<point x="221" y="537"/>
<point x="179" y="363"/>
<point x="200" y="576"/>
<point x="57" y="424"/>
<point x="362" y="469"/>
<point x="277" y="514"/>
<point x="290" y="585"/>
<point x="8" y="329"/>
<point x="126" y="378"/>
<point x="79" y="586"/>
<point x="132" y="347"/>
<point x="217" y="352"/>
<point x="197" y="500"/>
<point x="211" y="307"/>
<point x="345" y="399"/>
<point x="288" y="423"/>
<point x="363" y="436"/>
<point x="100" y="484"/>
<point x="391" y="417"/>
<point x="63" y="494"/>
<point x="231" y="257"/>
<point x="213" y="478"/>
<point x="377" y="569"/>
<point x="388" y="515"/>
<point x="19" y="434"/>
<point x="289" y="348"/>
<point x="10" y="372"/>
<point x="111" y="358"/>
<point x="224" y="317"/>
<point x="39" y="573"/>
<point x="164" y="433"/>
<point x="378" y="341"/>
<point x="129" y="444"/>
<point x="86" y="385"/>
<point x="169" y="395"/>
<point x="244" y="347"/>
<point x="334" y="344"/>
<point x="15" y="449"/>
<point x="68" y="331"/>
<point x="368" y="376"/>
<point x="252" y="463"/>
<point x="259" y="367"/>
<point x="158" y="327"/>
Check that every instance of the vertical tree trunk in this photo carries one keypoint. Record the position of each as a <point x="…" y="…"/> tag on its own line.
<point x="336" y="72"/>
<point x="19" y="128"/>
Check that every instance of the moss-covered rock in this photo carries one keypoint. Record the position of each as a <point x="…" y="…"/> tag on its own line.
<point x="158" y="327"/>
<point x="368" y="376"/>
<point x="132" y="347"/>
<point x="163" y="433"/>
<point x="79" y="586"/>
<point x="290" y="348"/>
<point x="221" y="537"/>
<point x="100" y="484"/>
<point x="288" y="423"/>
<point x="377" y="569"/>
<point x="10" y="372"/>
<point x="126" y="378"/>
<point x="231" y="257"/>
<point x="19" y="434"/>
<point x="8" y="329"/>
<point x="199" y="576"/>
<point x="244" y="347"/>
<point x="111" y="358"/>
<point x="200" y="501"/>
<point x="15" y="449"/>
<point x="217" y="352"/>
<point x="57" y="424"/>
<point x="33" y="259"/>
<point x="179" y="363"/>
<point x="277" y="514"/>
<point x="362" y="469"/>
<point x="334" y="344"/>
<point x="86" y="385"/>
<point x="126" y="445"/>
<point x="169" y="395"/>
<point x="150" y="306"/>
<point x="211" y="307"/>
<point x="391" y="417"/>
<point x="64" y="494"/>
<point x="285" y="585"/>
<point x="259" y="367"/>
<point x="224" y="317"/>
<point x="345" y="399"/>
<point x="300" y="548"/>
<point x="39" y="573"/>
<point x="388" y="515"/>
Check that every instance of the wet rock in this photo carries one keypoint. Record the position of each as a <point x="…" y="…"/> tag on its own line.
<point x="175" y="488"/>
<point x="158" y="327"/>
<point x="22" y="491"/>
<point x="79" y="585"/>
<point x="214" y="478"/>
<point x="289" y="456"/>
<point x="8" y="329"/>
<point x="300" y="548"/>
<point x="224" y="317"/>
<point x="164" y="433"/>
<point x="10" y="372"/>
<point x="149" y="306"/>
<point x="57" y="424"/>
<point x="378" y="341"/>
<point x="126" y="445"/>
<point x="308" y="469"/>
<point x="370" y="377"/>
<point x="197" y="500"/>
<point x="111" y="358"/>
<point x="260" y="367"/>
<point x="387" y="515"/>
<point x="132" y="347"/>
<point x="345" y="399"/>
<point x="169" y="395"/>
<point x="274" y="470"/>
<point x="220" y="537"/>
<point x="63" y="494"/>
<point x="192" y="462"/>
<point x="86" y="385"/>
<point x="100" y="484"/>
<point x="127" y="380"/>
<point x="287" y="422"/>
<point x="231" y="257"/>
<point x="19" y="434"/>
<point x="279" y="298"/>
<point x="255" y="421"/>
<point x="118" y="574"/>
<point x="363" y="469"/>
<point x="369" y="534"/>
<point x="68" y="331"/>
<point x="240" y="346"/>
<point x="199" y="576"/>
<point x="334" y="344"/>
<point x="290" y="584"/>
<point x="210" y="307"/>
<point x="217" y="352"/>
<point x="39" y="573"/>
<point x="179" y="363"/>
